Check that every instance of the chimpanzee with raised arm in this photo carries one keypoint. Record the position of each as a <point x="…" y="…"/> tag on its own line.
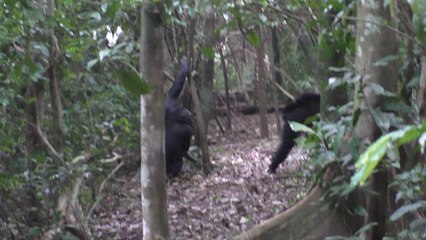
<point x="299" y="110"/>
<point x="178" y="124"/>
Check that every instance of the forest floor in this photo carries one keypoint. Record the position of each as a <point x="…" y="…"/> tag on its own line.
<point x="236" y="196"/>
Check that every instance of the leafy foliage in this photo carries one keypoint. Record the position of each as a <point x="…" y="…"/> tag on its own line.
<point x="368" y="161"/>
<point x="98" y="115"/>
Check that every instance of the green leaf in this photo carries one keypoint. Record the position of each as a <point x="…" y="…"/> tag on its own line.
<point x="207" y="52"/>
<point x="406" y="209"/>
<point x="298" y="127"/>
<point x="132" y="82"/>
<point x="384" y="61"/>
<point x="103" y="53"/>
<point x="10" y="3"/>
<point x="408" y="134"/>
<point x="253" y="38"/>
<point x="91" y="63"/>
<point x="32" y="67"/>
<point x="104" y="7"/>
<point x="96" y="16"/>
<point x="368" y="161"/>
<point x="419" y="18"/>
<point x="43" y="49"/>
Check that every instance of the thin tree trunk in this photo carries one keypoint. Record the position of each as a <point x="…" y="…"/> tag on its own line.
<point x="277" y="79"/>
<point x="206" y="87"/>
<point x="153" y="162"/>
<point x="237" y="67"/>
<point x="260" y="54"/>
<point x="202" y="130"/>
<point x="204" y="104"/>
<point x="55" y="96"/>
<point x="421" y="96"/>
<point x="226" y="81"/>
<point x="34" y="113"/>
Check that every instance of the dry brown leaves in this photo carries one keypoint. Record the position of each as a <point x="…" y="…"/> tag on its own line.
<point x="237" y="195"/>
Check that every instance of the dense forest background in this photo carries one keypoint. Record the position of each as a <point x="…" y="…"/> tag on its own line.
<point x="73" y="84"/>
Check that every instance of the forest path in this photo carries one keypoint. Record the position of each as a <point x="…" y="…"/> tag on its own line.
<point x="237" y="195"/>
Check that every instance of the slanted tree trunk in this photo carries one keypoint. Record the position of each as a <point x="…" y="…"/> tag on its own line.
<point x="317" y="216"/>
<point x="260" y="54"/>
<point x="153" y="162"/>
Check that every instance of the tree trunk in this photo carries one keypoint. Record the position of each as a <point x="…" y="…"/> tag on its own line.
<point x="34" y="114"/>
<point x="206" y="87"/>
<point x="421" y="96"/>
<point x="226" y="81"/>
<point x="202" y="129"/>
<point x="277" y="79"/>
<point x="204" y="104"/>
<point x="153" y="162"/>
<point x="55" y="96"/>
<point x="260" y="54"/>
<point x="370" y="49"/>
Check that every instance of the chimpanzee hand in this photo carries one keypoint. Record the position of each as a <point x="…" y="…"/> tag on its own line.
<point x="272" y="169"/>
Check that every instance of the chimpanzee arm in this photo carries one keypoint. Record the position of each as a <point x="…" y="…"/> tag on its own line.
<point x="298" y="111"/>
<point x="177" y="86"/>
<point x="287" y="143"/>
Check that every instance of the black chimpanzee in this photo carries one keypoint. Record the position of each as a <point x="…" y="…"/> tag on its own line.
<point x="299" y="110"/>
<point x="178" y="125"/>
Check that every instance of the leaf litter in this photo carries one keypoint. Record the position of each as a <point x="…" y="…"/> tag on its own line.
<point x="237" y="195"/>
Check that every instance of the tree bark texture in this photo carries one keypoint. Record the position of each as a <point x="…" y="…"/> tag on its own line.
<point x="226" y="81"/>
<point x="260" y="54"/>
<point x="202" y="125"/>
<point x="373" y="44"/>
<point x="276" y="79"/>
<point x="206" y="87"/>
<point x="153" y="162"/>
<point x="58" y="140"/>
<point x="421" y="96"/>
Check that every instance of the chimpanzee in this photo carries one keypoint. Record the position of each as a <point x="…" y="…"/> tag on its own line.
<point x="178" y="125"/>
<point x="299" y="110"/>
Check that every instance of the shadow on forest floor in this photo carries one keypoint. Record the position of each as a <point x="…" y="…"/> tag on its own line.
<point x="237" y="195"/>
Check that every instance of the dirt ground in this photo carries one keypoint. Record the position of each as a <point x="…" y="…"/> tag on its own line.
<point x="237" y="195"/>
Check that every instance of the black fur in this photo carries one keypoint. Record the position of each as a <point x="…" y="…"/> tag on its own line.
<point x="297" y="111"/>
<point x="178" y="124"/>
